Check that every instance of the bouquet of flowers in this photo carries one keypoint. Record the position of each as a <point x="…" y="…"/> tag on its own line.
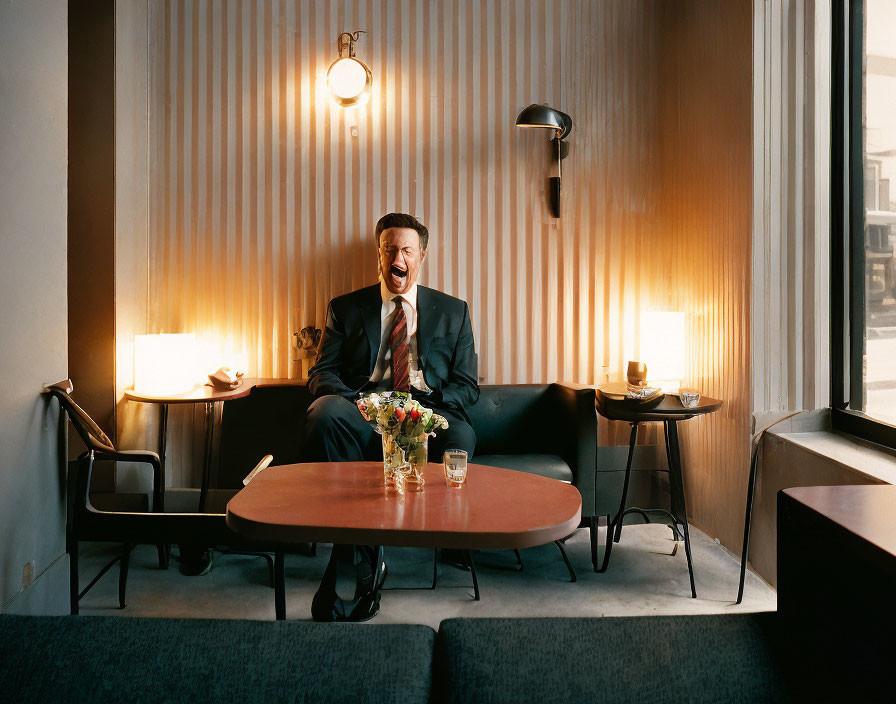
<point x="396" y="413"/>
<point x="405" y="425"/>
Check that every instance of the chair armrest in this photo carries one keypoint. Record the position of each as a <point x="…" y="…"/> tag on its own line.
<point x="140" y="457"/>
<point x="575" y="423"/>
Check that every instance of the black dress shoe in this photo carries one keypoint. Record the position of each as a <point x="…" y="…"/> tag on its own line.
<point x="327" y="608"/>
<point x="371" y="570"/>
<point x="381" y="572"/>
<point x="331" y="609"/>
<point x="365" y="608"/>
<point x="195" y="563"/>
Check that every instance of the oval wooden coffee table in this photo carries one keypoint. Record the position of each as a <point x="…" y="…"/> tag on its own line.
<point x="346" y="502"/>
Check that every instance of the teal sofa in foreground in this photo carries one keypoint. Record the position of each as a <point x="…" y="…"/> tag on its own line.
<point x="831" y="640"/>
<point x="599" y="660"/>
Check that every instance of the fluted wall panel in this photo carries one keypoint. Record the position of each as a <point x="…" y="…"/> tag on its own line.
<point x="263" y="194"/>
<point x="705" y="202"/>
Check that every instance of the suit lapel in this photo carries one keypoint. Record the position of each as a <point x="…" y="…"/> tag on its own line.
<point x="371" y="307"/>
<point x="427" y="318"/>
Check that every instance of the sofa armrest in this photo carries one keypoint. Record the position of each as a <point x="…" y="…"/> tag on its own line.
<point x="574" y="419"/>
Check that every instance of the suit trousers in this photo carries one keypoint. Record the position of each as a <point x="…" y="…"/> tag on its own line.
<point x="337" y="432"/>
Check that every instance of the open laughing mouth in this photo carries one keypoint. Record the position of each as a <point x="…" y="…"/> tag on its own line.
<point x="399" y="275"/>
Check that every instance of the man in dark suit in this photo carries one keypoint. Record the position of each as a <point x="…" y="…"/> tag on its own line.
<point x="394" y="335"/>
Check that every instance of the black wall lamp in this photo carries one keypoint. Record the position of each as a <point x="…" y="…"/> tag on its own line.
<point x="547" y="118"/>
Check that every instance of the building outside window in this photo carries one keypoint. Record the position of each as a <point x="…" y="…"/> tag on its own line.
<point x="863" y="217"/>
<point x="879" y="123"/>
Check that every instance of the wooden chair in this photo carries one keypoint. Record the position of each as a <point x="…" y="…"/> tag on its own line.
<point x="85" y="523"/>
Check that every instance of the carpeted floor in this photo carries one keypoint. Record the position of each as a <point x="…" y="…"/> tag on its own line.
<point x="643" y="579"/>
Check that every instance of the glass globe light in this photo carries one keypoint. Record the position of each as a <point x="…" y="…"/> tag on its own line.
<point x="348" y="81"/>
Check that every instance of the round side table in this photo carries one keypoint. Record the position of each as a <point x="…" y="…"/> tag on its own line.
<point x="201" y="394"/>
<point x="670" y="412"/>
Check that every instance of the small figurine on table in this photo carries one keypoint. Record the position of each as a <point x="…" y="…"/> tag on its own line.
<point x="307" y="341"/>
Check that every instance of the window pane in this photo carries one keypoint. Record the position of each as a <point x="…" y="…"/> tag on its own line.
<point x="880" y="210"/>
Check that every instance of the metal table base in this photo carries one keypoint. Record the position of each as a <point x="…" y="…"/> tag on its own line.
<point x="679" y="506"/>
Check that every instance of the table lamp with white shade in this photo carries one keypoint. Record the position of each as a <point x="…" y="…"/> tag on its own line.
<point x="664" y="349"/>
<point x="165" y="364"/>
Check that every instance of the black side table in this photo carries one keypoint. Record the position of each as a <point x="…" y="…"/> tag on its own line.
<point x="669" y="411"/>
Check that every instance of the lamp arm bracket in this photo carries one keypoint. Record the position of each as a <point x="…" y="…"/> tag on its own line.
<point x="346" y="40"/>
<point x="561" y="147"/>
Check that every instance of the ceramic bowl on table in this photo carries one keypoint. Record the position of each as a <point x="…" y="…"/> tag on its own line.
<point x="618" y="393"/>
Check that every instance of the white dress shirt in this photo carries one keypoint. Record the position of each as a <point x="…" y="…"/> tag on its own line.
<point x="383" y="369"/>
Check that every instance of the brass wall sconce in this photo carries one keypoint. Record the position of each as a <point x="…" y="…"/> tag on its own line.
<point x="547" y="118"/>
<point x="348" y="78"/>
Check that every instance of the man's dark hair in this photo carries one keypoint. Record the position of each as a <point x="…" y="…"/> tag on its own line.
<point x="390" y="220"/>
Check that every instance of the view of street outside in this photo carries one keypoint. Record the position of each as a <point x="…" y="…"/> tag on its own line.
<point x="880" y="209"/>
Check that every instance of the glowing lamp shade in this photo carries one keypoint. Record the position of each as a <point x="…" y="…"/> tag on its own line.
<point x="664" y="349"/>
<point x="165" y="364"/>
<point x="348" y="81"/>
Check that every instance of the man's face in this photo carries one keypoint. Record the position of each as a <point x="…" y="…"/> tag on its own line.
<point x="400" y="258"/>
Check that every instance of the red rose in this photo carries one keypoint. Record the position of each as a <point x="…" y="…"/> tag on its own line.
<point x="399" y="413"/>
<point x="415" y="414"/>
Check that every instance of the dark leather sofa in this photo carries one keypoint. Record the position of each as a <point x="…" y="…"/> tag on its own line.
<point x="546" y="429"/>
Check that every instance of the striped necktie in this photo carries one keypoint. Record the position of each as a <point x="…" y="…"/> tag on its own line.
<point x="398" y="344"/>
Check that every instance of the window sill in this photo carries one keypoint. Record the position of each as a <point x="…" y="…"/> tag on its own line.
<point x="870" y="461"/>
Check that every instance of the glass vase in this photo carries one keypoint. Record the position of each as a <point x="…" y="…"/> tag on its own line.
<point x="416" y="456"/>
<point x="393" y="459"/>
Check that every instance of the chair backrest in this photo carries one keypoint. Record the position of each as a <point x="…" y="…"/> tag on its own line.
<point x="90" y="432"/>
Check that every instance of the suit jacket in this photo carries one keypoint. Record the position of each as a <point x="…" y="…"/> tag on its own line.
<point x="351" y="341"/>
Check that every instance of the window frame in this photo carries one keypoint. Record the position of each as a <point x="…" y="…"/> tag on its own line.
<point x="848" y="229"/>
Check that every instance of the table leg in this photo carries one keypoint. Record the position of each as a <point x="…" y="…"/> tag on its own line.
<point x="163" y="435"/>
<point x="617" y="521"/>
<point x="669" y="460"/>
<point x="468" y="558"/>
<point x="163" y="549"/>
<point x="592" y="534"/>
<point x="572" y="572"/>
<point x="207" y="455"/>
<point x="676" y="483"/>
<point x="279" y="586"/>
<point x="614" y="523"/>
<point x="608" y="545"/>
<point x="748" y="514"/>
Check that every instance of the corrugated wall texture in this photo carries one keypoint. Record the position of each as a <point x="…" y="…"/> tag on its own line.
<point x="263" y="195"/>
<point x="705" y="201"/>
<point x="791" y="269"/>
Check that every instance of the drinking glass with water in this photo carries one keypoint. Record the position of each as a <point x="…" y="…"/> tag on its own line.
<point x="455" y="467"/>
